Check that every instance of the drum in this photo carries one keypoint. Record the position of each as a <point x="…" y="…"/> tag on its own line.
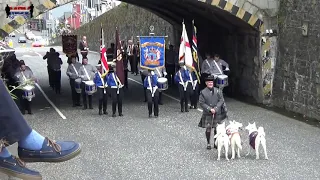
<point x="28" y="93"/>
<point x="163" y="84"/>
<point x="90" y="87"/>
<point x="77" y="85"/>
<point x="222" y="81"/>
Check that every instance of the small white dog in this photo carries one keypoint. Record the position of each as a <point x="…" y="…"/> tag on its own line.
<point x="222" y="139"/>
<point x="257" y="137"/>
<point x="234" y="136"/>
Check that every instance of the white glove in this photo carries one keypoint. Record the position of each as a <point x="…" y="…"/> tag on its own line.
<point x="227" y="69"/>
<point x="165" y="73"/>
<point x="185" y="67"/>
<point x="152" y="73"/>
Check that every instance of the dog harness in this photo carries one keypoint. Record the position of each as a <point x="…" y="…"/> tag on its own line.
<point x="231" y="132"/>
<point x="252" y="139"/>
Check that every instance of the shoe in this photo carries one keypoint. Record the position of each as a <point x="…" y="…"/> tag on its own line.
<point x="191" y="107"/>
<point x="78" y="104"/>
<point x="15" y="167"/>
<point x="30" y="113"/>
<point x="105" y="112"/>
<point x="160" y="103"/>
<point x="186" y="110"/>
<point x="100" y="112"/>
<point x="51" y="151"/>
<point x="150" y="115"/>
<point x="120" y="114"/>
<point x="84" y="108"/>
<point x="113" y="115"/>
<point x="156" y="116"/>
<point x="182" y="110"/>
<point x="209" y="147"/>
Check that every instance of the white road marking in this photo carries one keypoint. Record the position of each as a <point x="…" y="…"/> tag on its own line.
<point x="171" y="97"/>
<point x="38" y="54"/>
<point x="50" y="102"/>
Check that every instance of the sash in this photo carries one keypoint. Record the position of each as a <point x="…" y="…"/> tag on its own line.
<point x="103" y="84"/>
<point x="116" y="80"/>
<point x="74" y="68"/>
<point x="218" y="67"/>
<point x="153" y="90"/>
<point x="159" y="72"/>
<point x="86" y="73"/>
<point x="208" y="63"/>
<point x="184" y="84"/>
<point x="193" y="82"/>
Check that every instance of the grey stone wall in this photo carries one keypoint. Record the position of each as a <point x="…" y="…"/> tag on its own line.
<point x="130" y="20"/>
<point x="297" y="77"/>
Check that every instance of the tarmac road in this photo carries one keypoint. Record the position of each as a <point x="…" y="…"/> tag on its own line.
<point x="170" y="147"/>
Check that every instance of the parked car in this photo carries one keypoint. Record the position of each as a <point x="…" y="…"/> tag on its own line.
<point x="22" y="40"/>
<point x="12" y="34"/>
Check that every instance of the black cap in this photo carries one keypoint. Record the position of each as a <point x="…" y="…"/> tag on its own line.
<point x="209" y="78"/>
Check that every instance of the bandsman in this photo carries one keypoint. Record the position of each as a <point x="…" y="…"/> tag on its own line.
<point x="161" y="73"/>
<point x="152" y="92"/>
<point x="194" y="91"/>
<point x="116" y="91"/>
<point x="87" y="73"/>
<point x="183" y="80"/>
<point x="73" y="74"/>
<point x="100" y="80"/>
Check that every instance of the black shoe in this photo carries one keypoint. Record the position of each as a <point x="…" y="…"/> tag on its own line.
<point x="195" y="107"/>
<point x="105" y="112"/>
<point x="191" y="107"/>
<point x="187" y="110"/>
<point x="182" y="110"/>
<point x="30" y="113"/>
<point x="156" y="116"/>
<point x="78" y="104"/>
<point x="113" y="115"/>
<point x="214" y="146"/>
<point x="150" y="115"/>
<point x="120" y="114"/>
<point x="100" y="112"/>
<point x="209" y="147"/>
<point x="160" y="103"/>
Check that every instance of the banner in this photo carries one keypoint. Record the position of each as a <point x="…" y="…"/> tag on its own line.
<point x="69" y="44"/>
<point x="152" y="52"/>
<point x="103" y="53"/>
<point x="119" y="59"/>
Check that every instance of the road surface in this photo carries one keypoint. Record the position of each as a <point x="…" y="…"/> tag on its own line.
<point x="170" y="147"/>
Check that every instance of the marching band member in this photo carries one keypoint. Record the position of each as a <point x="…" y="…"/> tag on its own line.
<point x="100" y="80"/>
<point x="144" y="74"/>
<point x="195" y="91"/>
<point x="83" y="46"/>
<point x="206" y="69"/>
<point x="183" y="78"/>
<point x="22" y="76"/>
<point x="116" y="91"/>
<point x="161" y="73"/>
<point x="73" y="74"/>
<point x="86" y="73"/>
<point x="150" y="83"/>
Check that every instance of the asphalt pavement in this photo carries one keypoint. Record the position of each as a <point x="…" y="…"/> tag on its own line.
<point x="170" y="147"/>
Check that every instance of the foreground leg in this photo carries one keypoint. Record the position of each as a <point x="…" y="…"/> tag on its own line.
<point x="208" y="136"/>
<point x="13" y="166"/>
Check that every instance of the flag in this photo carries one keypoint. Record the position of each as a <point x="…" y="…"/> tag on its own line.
<point x="103" y="53"/>
<point x="119" y="59"/>
<point x="185" y="54"/>
<point x="196" y="63"/>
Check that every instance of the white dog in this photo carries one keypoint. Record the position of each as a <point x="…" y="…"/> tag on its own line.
<point x="222" y="139"/>
<point x="257" y="137"/>
<point x="234" y="136"/>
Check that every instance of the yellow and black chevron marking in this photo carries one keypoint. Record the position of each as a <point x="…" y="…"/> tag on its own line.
<point x="252" y="20"/>
<point x="6" y="29"/>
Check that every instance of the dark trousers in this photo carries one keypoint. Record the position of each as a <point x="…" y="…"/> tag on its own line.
<point x="184" y="96"/>
<point x="126" y="78"/>
<point x="50" y="74"/>
<point x="194" y="98"/>
<point x="116" y="100"/>
<point x="160" y="97"/>
<point x="57" y="80"/>
<point x="84" y="97"/>
<point x="13" y="127"/>
<point x="170" y="68"/>
<point x="144" y="89"/>
<point x="153" y="101"/>
<point x="25" y="105"/>
<point x="103" y="99"/>
<point x="132" y="64"/>
<point x="75" y="95"/>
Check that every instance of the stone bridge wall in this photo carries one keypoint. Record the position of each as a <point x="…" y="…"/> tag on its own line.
<point x="131" y="21"/>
